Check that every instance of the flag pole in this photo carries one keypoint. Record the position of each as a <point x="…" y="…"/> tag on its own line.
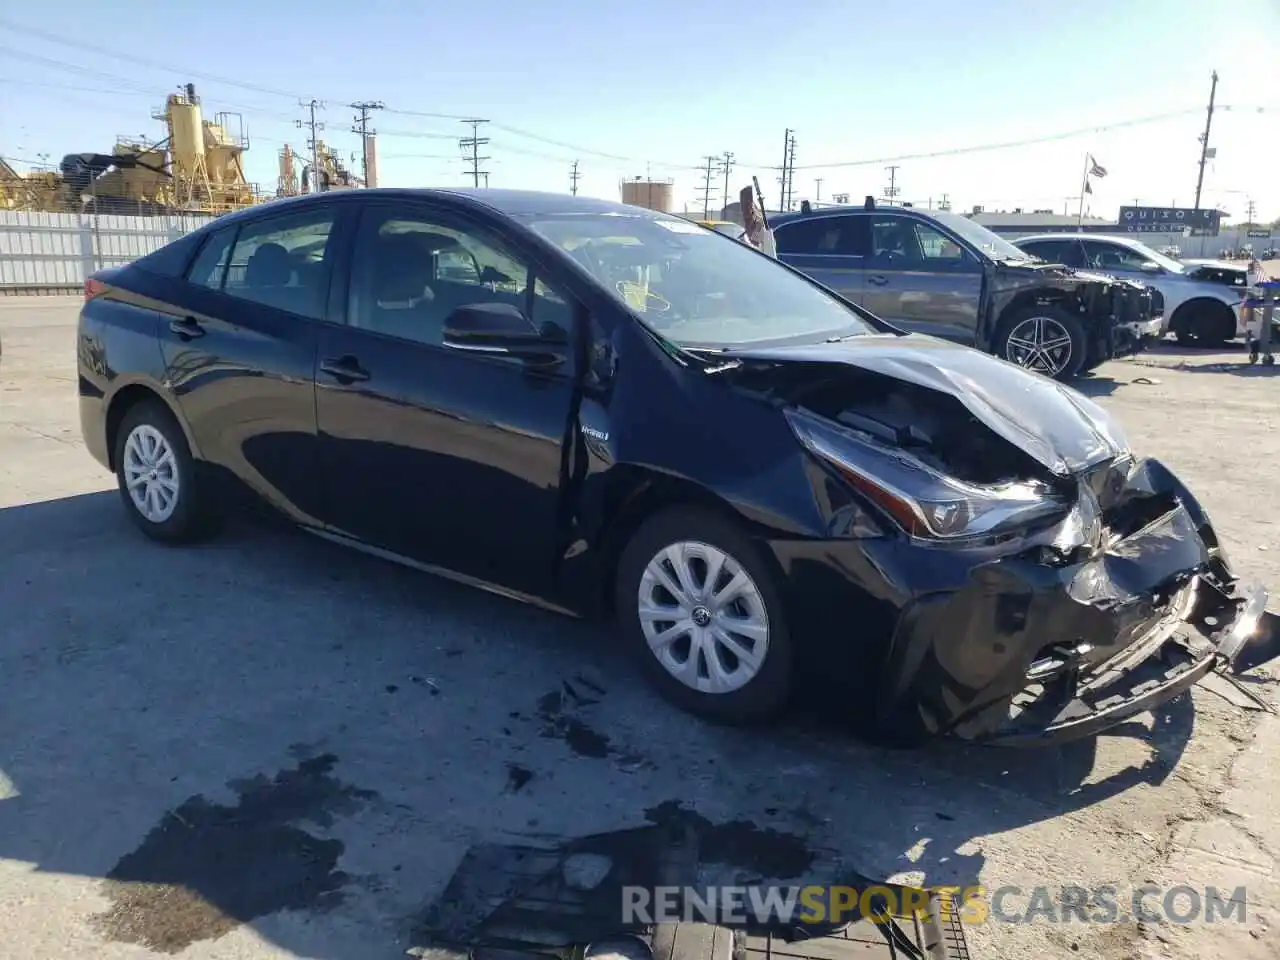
<point x="1084" y="182"/>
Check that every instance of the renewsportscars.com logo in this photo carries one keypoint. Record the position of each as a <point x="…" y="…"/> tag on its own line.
<point x="820" y="905"/>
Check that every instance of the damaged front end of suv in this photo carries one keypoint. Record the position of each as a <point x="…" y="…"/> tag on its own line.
<point x="1045" y="582"/>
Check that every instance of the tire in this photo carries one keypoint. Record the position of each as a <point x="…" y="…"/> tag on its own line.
<point x="149" y="429"/>
<point x="1208" y="323"/>
<point x="1021" y="328"/>
<point x="752" y="696"/>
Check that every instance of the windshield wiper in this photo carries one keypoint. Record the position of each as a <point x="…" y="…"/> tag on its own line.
<point x="847" y="336"/>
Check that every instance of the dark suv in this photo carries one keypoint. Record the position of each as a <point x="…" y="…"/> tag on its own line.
<point x="944" y="275"/>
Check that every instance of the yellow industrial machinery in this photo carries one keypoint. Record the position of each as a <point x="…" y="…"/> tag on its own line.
<point x="332" y="174"/>
<point x="197" y="167"/>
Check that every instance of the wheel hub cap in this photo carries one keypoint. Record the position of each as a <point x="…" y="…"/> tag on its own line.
<point x="1041" y="344"/>
<point x="703" y="617"/>
<point x="151" y="473"/>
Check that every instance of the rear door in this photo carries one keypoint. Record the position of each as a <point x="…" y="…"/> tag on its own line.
<point x="452" y="458"/>
<point x="921" y="279"/>
<point x="240" y="357"/>
<point x="829" y="248"/>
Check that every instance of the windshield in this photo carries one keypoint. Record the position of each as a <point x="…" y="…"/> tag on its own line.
<point x="993" y="245"/>
<point x="697" y="289"/>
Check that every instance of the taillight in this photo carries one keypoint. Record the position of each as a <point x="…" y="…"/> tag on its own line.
<point x="93" y="288"/>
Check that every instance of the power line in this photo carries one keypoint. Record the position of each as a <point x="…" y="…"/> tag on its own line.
<point x="362" y="128"/>
<point x="474" y="143"/>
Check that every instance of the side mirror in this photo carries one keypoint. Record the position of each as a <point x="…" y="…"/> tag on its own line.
<point x="1150" y="266"/>
<point x="490" y="328"/>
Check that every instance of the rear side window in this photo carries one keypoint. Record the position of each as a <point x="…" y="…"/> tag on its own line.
<point x="170" y="260"/>
<point x="283" y="262"/>
<point x="210" y="265"/>
<point x="1050" y="250"/>
<point x="822" y="236"/>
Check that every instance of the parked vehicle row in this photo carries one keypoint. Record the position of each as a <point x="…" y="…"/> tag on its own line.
<point x="614" y="412"/>
<point x="944" y="275"/>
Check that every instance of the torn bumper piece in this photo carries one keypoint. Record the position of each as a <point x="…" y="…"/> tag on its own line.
<point x="1030" y="651"/>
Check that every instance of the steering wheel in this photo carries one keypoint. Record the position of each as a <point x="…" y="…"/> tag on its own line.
<point x="663" y="305"/>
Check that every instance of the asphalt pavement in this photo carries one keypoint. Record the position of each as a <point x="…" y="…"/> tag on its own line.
<point x="267" y="746"/>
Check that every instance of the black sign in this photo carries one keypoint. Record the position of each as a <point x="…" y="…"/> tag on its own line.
<point x="1169" y="220"/>
<point x="1260" y="234"/>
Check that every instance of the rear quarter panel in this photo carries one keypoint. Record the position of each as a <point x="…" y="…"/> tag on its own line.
<point x="117" y="348"/>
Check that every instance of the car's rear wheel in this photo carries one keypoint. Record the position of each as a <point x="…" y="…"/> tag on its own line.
<point x="157" y="477"/>
<point x="702" y="612"/>
<point x="1046" y="339"/>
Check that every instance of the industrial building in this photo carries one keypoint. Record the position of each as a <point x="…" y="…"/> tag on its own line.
<point x="197" y="167"/>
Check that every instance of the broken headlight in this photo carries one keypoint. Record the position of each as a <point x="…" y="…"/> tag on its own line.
<point x="924" y="502"/>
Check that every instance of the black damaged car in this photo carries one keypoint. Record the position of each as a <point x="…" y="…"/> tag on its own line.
<point x="614" y="412"/>
<point x="942" y="274"/>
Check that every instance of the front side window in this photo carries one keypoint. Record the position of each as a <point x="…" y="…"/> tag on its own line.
<point x="281" y="262"/>
<point x="694" y="289"/>
<point x="936" y="247"/>
<point x="1113" y="256"/>
<point x="411" y="271"/>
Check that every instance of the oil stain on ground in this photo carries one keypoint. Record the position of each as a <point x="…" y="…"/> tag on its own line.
<point x="761" y="850"/>
<point x="205" y="869"/>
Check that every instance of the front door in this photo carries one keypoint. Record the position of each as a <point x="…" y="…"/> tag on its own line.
<point x="921" y="280"/>
<point x="240" y="349"/>
<point x="451" y="458"/>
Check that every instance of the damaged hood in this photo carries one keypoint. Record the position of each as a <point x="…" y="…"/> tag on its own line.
<point x="1060" y="428"/>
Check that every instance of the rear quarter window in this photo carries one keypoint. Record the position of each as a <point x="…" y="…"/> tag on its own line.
<point x="172" y="259"/>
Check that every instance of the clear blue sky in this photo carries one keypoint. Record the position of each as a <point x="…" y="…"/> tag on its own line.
<point x="661" y="85"/>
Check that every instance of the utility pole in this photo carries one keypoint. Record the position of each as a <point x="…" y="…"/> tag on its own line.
<point x="1250" y="209"/>
<point x="892" y="190"/>
<point x="706" y="188"/>
<point x="474" y="143"/>
<point x="945" y="205"/>
<point x="313" y="142"/>
<point x="726" y="165"/>
<point x="362" y="128"/>
<point x="786" y="162"/>
<point x="1204" y="140"/>
<point x="791" y="172"/>
<point x="817" y="190"/>
<point x="573" y="179"/>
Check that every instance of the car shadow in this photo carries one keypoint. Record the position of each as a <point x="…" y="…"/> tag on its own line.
<point x="274" y="732"/>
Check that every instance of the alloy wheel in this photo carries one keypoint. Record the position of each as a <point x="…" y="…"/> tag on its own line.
<point x="151" y="473"/>
<point x="703" y="617"/>
<point x="1041" y="344"/>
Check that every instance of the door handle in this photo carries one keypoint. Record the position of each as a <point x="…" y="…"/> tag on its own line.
<point x="344" y="369"/>
<point x="188" y="328"/>
<point x="878" y="280"/>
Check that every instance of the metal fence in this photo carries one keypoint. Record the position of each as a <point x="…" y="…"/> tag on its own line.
<point x="53" y="253"/>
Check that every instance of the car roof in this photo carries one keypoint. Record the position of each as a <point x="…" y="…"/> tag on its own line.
<point x="513" y="203"/>
<point x="780" y="219"/>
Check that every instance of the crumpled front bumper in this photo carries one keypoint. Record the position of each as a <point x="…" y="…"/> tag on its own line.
<point x="1032" y="650"/>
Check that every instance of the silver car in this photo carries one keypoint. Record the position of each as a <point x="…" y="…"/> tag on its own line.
<point x="1198" y="306"/>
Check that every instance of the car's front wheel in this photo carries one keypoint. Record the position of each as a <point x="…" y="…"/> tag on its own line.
<point x="157" y="477"/>
<point x="1046" y="339"/>
<point x="702" y="611"/>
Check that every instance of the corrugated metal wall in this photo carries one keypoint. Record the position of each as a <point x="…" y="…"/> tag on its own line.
<point x="55" y="252"/>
